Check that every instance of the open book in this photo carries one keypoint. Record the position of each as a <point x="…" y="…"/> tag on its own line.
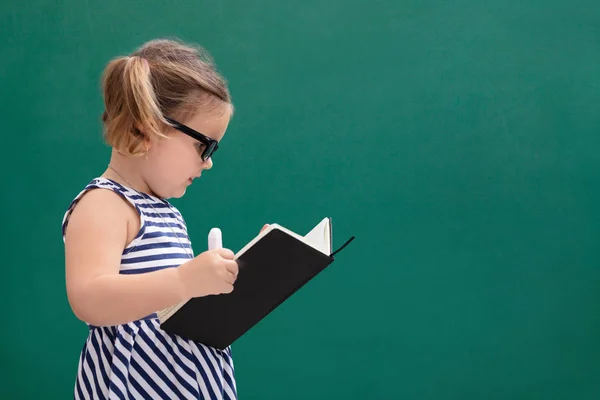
<point x="319" y="237"/>
<point x="272" y="267"/>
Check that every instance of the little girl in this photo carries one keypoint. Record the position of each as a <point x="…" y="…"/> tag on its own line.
<point x="127" y="250"/>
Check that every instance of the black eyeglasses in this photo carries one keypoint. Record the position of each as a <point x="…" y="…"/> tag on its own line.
<point x="211" y="144"/>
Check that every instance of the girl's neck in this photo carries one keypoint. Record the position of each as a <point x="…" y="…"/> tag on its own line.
<point x="125" y="171"/>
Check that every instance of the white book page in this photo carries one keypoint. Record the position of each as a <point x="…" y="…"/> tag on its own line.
<point x="166" y="313"/>
<point x="320" y="236"/>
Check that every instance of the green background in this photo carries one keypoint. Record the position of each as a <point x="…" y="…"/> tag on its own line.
<point x="457" y="140"/>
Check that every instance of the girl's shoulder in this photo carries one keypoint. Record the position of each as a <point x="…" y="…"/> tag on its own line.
<point x="108" y="204"/>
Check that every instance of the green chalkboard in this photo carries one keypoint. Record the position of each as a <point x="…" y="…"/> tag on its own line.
<point x="457" y="140"/>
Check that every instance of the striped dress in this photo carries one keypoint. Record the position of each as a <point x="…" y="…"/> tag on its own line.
<point x="138" y="360"/>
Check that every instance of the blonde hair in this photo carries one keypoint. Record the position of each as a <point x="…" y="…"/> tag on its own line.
<point x="163" y="78"/>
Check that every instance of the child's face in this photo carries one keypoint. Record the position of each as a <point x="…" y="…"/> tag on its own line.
<point x="173" y="163"/>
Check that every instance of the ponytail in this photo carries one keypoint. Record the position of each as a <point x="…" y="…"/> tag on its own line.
<point x="132" y="113"/>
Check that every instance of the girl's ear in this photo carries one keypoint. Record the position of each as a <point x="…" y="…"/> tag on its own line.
<point x="146" y="142"/>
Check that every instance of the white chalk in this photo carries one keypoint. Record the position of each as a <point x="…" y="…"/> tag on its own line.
<point x="215" y="239"/>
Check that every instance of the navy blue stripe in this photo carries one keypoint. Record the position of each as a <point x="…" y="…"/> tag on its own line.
<point x="169" y="346"/>
<point x="161" y="356"/>
<point x="109" y="332"/>
<point x="200" y="369"/>
<point x="121" y="358"/>
<point x="153" y="205"/>
<point x="144" y="336"/>
<point x="156" y="369"/>
<point x="115" y="389"/>
<point x="161" y="245"/>
<point x="138" y="197"/>
<point x="187" y="354"/>
<point x="152" y="235"/>
<point x="226" y="356"/>
<point x="134" y="194"/>
<point x="139" y="387"/>
<point x="165" y="224"/>
<point x="161" y="215"/>
<point x="203" y="350"/>
<point x="124" y="361"/>
<point x="79" y="377"/>
<point x="140" y="370"/>
<point x="190" y="356"/>
<point x="155" y="257"/>
<point x="92" y="366"/>
<point x="105" y="351"/>
<point x="99" y="353"/>
<point x="126" y="191"/>
<point x="228" y="378"/>
<point x="117" y="372"/>
<point x="227" y="352"/>
<point x="86" y="381"/>
<point x="145" y="270"/>
<point x="196" y="362"/>
<point x="172" y="345"/>
<point x="79" y="391"/>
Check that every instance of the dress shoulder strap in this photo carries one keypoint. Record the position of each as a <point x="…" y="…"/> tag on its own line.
<point x="131" y="196"/>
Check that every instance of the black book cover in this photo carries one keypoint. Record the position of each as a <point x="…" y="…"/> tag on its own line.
<point x="270" y="271"/>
